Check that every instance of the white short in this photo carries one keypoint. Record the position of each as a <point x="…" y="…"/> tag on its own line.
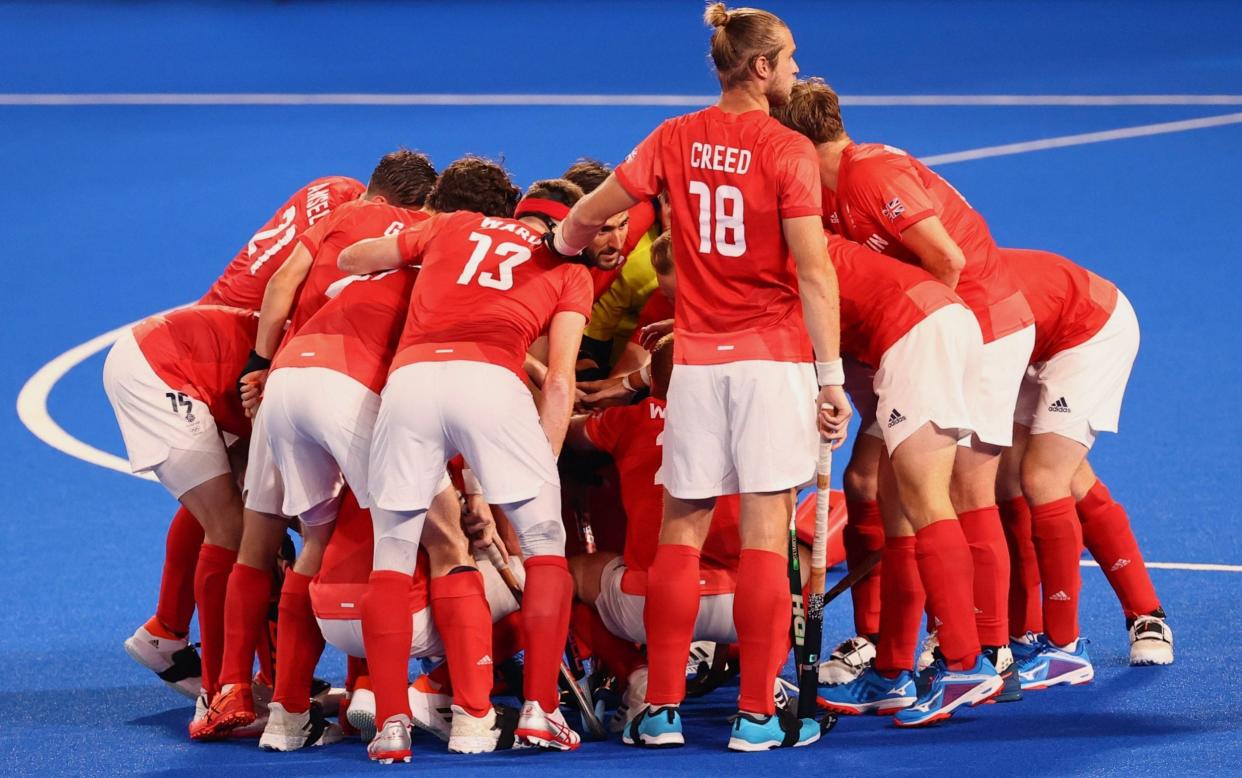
<point x="931" y="374"/>
<point x="346" y="634"/>
<point x="263" y="489"/>
<point x="318" y="424"/>
<point x="1004" y="363"/>
<point x="432" y="411"/>
<point x="739" y="427"/>
<point x="1078" y="392"/>
<point x="622" y="613"/>
<point x="165" y="431"/>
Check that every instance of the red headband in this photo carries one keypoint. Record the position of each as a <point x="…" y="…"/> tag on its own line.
<point x="538" y="205"/>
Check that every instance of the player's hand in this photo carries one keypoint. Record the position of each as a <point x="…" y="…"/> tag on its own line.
<point x="603" y="394"/>
<point x="834" y="420"/>
<point x="252" y="391"/>
<point x="478" y="521"/>
<point x="652" y="333"/>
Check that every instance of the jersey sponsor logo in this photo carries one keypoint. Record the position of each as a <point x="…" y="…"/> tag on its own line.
<point x="876" y="243"/>
<point x="1060" y="406"/>
<point x="893" y="209"/>
<point x="724" y="159"/>
<point x="895" y="418"/>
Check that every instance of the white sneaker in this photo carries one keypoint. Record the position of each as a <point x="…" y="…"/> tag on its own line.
<point x="848" y="659"/>
<point x="700" y="658"/>
<point x="361" y="713"/>
<point x="174" y="660"/>
<point x="927" y="654"/>
<point x="471" y="734"/>
<point x="1151" y="641"/>
<point x="546" y="729"/>
<point x="287" y="731"/>
<point x="431" y="710"/>
<point x="631" y="700"/>
<point x="392" y="743"/>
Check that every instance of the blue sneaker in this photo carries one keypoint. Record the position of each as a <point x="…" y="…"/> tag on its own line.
<point x="781" y="730"/>
<point x="870" y="692"/>
<point x="1025" y="647"/>
<point x="950" y="690"/>
<point x="654" y="728"/>
<point x="1051" y="665"/>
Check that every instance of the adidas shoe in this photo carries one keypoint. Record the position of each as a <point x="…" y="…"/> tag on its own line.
<point x="1001" y="658"/>
<point x="950" y="690"/>
<point x="1151" y="640"/>
<point x="699" y="661"/>
<point x="783" y="729"/>
<point x="631" y="700"/>
<point x="927" y="654"/>
<point x="870" y="692"/>
<point x="233" y="707"/>
<point x="847" y="661"/>
<point x="287" y="731"/>
<point x="174" y="660"/>
<point x="431" y="709"/>
<point x="1052" y="665"/>
<point x="392" y="743"/>
<point x="361" y="713"/>
<point x="546" y="729"/>
<point x="654" y="727"/>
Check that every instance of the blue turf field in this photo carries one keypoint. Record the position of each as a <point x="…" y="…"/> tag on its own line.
<point x="114" y="212"/>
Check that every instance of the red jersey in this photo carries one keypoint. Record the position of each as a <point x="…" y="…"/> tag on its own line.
<point x="642" y="216"/>
<point x="601" y="279"/>
<point x="632" y="435"/>
<point x="200" y="351"/>
<point x="731" y="179"/>
<point x="657" y="308"/>
<point x="246" y="277"/>
<point x="882" y="191"/>
<point x="1071" y="303"/>
<point x="486" y="289"/>
<point x="336" y="591"/>
<point x="881" y="299"/>
<point x="357" y="329"/>
<point x="832" y="214"/>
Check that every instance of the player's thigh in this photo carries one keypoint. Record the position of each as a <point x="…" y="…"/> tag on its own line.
<point x="409" y="449"/>
<point x="771" y="424"/>
<point x="621" y="612"/>
<point x="587" y="571"/>
<point x="1049" y="465"/>
<point x="697" y="457"/>
<point x="1009" y="471"/>
<point x="922" y="470"/>
<point x="1000" y="378"/>
<point x="294" y="410"/>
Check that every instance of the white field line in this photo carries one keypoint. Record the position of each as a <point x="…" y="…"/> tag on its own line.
<point x="1196" y="566"/>
<point x="448" y="99"/>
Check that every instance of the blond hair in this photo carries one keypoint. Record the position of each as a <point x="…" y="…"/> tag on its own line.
<point x="662" y="254"/>
<point x="813" y="109"/>
<point x="741" y="36"/>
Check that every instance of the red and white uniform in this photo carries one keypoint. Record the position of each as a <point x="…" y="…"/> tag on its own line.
<point x="657" y="308"/>
<point x="917" y="338"/>
<point x="883" y="191"/>
<point x="486" y="289"/>
<point x="741" y="402"/>
<point x="1087" y="337"/>
<point x="171" y="381"/>
<point x="244" y="280"/>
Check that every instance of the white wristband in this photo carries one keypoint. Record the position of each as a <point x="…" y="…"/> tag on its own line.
<point x="471" y="482"/>
<point x="625" y="382"/>
<point x="558" y="243"/>
<point x="644" y="374"/>
<point x="830" y="373"/>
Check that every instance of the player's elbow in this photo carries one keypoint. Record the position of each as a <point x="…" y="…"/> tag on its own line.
<point x="350" y="260"/>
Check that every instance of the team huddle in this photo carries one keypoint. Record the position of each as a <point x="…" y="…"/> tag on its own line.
<point x="555" y="443"/>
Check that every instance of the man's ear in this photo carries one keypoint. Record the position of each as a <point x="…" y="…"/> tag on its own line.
<point x="379" y="198"/>
<point x="761" y="67"/>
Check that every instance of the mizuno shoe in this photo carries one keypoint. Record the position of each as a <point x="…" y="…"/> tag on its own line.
<point x="654" y="728"/>
<point x="1151" y="640"/>
<point x="870" y="692"/>
<point x="1052" y="665"/>
<point x="1024" y="648"/>
<point x="950" y="690"/>
<point x="174" y="660"/>
<point x="783" y="729"/>
<point x="847" y="662"/>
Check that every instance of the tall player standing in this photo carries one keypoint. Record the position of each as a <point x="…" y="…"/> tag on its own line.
<point x="754" y="279"/>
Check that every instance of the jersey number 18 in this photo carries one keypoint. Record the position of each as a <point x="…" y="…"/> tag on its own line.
<point x="730" y="232"/>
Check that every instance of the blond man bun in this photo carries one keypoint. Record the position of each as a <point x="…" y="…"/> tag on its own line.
<point x="716" y="15"/>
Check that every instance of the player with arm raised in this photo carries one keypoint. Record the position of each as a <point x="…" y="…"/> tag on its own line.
<point x="753" y="280"/>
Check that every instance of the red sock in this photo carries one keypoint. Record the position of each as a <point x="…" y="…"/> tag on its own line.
<point x="355" y="669"/>
<point x="990" y="556"/>
<point x="507" y="637"/>
<point x="1107" y="535"/>
<point x="902" y="598"/>
<point x="545" y="626"/>
<point x="761" y="613"/>
<point x="298" y="644"/>
<point x="864" y="535"/>
<point x="1026" y="612"/>
<point x="176" y="604"/>
<point x="245" y="617"/>
<point x="947" y="572"/>
<point x="211" y="580"/>
<point x="459" y="608"/>
<point x="668" y="617"/>
<point x="619" y="656"/>
<point x="386" y="635"/>
<point x="1058" y="544"/>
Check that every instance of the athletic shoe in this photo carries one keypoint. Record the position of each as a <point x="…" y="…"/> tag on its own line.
<point x="699" y="661"/>
<point x="361" y="713"/>
<point x="392" y="743"/>
<point x="329" y="697"/>
<point x="1052" y="665"/>
<point x="481" y="735"/>
<point x="431" y="710"/>
<point x="174" y="660"/>
<point x="783" y="729"/>
<point x="847" y="661"/>
<point x="870" y="692"/>
<point x="631" y="700"/>
<point x="546" y="729"/>
<point x="927" y="654"/>
<point x="950" y="690"/>
<point x="1151" y="640"/>
<point x="1024" y="648"/>
<point x="287" y="731"/>
<point x="654" y="727"/>
<point x="233" y="707"/>
<point x="1001" y="658"/>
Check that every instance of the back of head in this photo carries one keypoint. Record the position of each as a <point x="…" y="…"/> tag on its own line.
<point x="474" y="184"/>
<point x="403" y="178"/>
<point x="661" y="366"/>
<point x="548" y="201"/>
<point x="813" y="109"/>
<point x="739" y="37"/>
<point x="588" y="173"/>
<point x="662" y="254"/>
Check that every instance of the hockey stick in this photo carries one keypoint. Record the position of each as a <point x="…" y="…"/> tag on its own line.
<point x="808" y="659"/>
<point x="499" y="559"/>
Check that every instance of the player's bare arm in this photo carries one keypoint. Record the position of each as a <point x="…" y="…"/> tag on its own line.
<point x="370" y="256"/>
<point x="590" y="213"/>
<point x="938" y="252"/>
<point x="576" y="436"/>
<point x="278" y="300"/>
<point x="564" y="337"/>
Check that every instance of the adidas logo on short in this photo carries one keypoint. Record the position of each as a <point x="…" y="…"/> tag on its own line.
<point x="1120" y="563"/>
<point x="895" y="418"/>
<point x="1060" y="406"/>
<point x="486" y="660"/>
<point x="1060" y="597"/>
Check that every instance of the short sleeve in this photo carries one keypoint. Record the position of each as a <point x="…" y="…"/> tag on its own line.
<point x="799" y="192"/>
<point x="577" y="292"/>
<point x="604" y="428"/>
<point x="314" y="236"/>
<point x="641" y="175"/>
<point x="890" y="191"/>
<point x="413" y="242"/>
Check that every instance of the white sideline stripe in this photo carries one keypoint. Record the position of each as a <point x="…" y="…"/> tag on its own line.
<point x="448" y="99"/>
<point x="1198" y="566"/>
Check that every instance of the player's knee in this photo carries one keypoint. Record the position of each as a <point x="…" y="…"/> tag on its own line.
<point x="860" y="484"/>
<point x="546" y="538"/>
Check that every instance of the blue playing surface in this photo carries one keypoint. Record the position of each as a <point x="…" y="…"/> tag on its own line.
<point x="114" y="212"/>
